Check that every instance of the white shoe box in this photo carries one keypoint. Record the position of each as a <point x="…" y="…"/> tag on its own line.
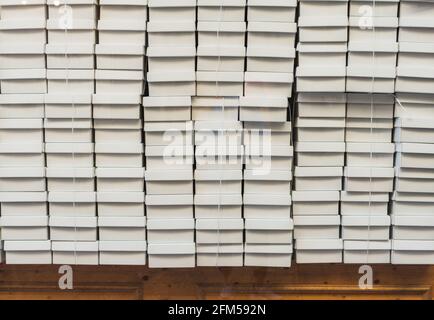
<point x="267" y="182"/>
<point x="20" y="56"/>
<point x="414" y="203"/>
<point x="414" y="79"/>
<point x="223" y="33"/>
<point x="169" y="206"/>
<point x="167" y="109"/>
<point x="271" y="34"/>
<point x="21" y="130"/>
<point x="175" y="33"/>
<point x="75" y="252"/>
<point x="112" y="204"/>
<point x="271" y="11"/>
<point x="217" y="10"/>
<point x="322" y="54"/>
<point x="367" y="106"/>
<point x="119" y="228"/>
<point x="218" y="206"/>
<point x="413" y="252"/>
<point x="71" y="81"/>
<point x="85" y="9"/>
<point x="22" y="179"/>
<point x="74" y="155"/>
<point x="172" y="84"/>
<point x="268" y="255"/>
<point x="118" y="155"/>
<point x="220" y="157"/>
<point x="275" y="206"/>
<point x="62" y="106"/>
<point x="315" y="203"/>
<point x="114" y="106"/>
<point x="321" y="79"/>
<point x="179" y="133"/>
<point x="169" y="10"/>
<point x="410" y="8"/>
<point x="122" y="32"/>
<point x="219" y="231"/>
<point x="217" y="133"/>
<point x="371" y="79"/>
<point x="23" y="228"/>
<point x="317" y="227"/>
<point x="269" y="231"/>
<point x="380" y="155"/>
<point x="318" y="178"/>
<point x="176" y="59"/>
<point x="322" y="105"/>
<point x="219" y="255"/>
<point x="278" y="133"/>
<point x="74" y="56"/>
<point x="414" y="180"/>
<point x="170" y="182"/>
<point x="264" y="109"/>
<point x="367" y="252"/>
<point x="368" y="130"/>
<point x="115" y="57"/>
<point x="266" y="157"/>
<point x="412" y="227"/>
<point x="68" y="130"/>
<point x="215" y="108"/>
<point x="170" y="230"/>
<point x="315" y="8"/>
<point x="125" y="81"/>
<point x="319" y="251"/>
<point x="368" y="179"/>
<point x="383" y="8"/>
<point x="320" y="129"/>
<point x="364" y="203"/>
<point x="23" y="204"/>
<point x="123" y="10"/>
<point x="70" y="179"/>
<point x="320" y="154"/>
<point x="221" y="59"/>
<point x="72" y="204"/>
<point x="415" y="155"/>
<point x="81" y="31"/>
<point x="19" y="31"/>
<point x="323" y="28"/>
<point x="23" y="81"/>
<point x="28" y="252"/>
<point x="20" y="106"/>
<point x="417" y="105"/>
<point x="378" y="54"/>
<point x="382" y="29"/>
<point x="268" y="84"/>
<point x="122" y="253"/>
<point x="16" y="9"/>
<point x="118" y="130"/>
<point x="416" y="28"/>
<point x="416" y="54"/>
<point x="169" y="157"/>
<point x="217" y="182"/>
<point x="270" y="59"/>
<point x="73" y="228"/>
<point x="372" y="227"/>
<point x="172" y="255"/>
<point x="410" y="130"/>
<point x="214" y="83"/>
<point x="120" y="179"/>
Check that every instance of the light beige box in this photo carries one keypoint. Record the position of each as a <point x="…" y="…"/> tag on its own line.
<point x="270" y="59"/>
<point x="383" y="8"/>
<point x="268" y="84"/>
<point x="22" y="179"/>
<point x="411" y="8"/>
<point x="21" y="130"/>
<point x="271" y="34"/>
<point x="72" y="204"/>
<point x="268" y="255"/>
<point x="169" y="157"/>
<point x="169" y="182"/>
<point x="177" y="33"/>
<point x="15" y="9"/>
<point x="118" y="130"/>
<point x="172" y="255"/>
<point x="268" y="157"/>
<point x="218" y="206"/>
<point x="378" y="54"/>
<point x="177" y="59"/>
<point x="20" y="106"/>
<point x="211" y="83"/>
<point x="125" y="81"/>
<point x="317" y="226"/>
<point x="369" y="130"/>
<point x="85" y="9"/>
<point x="73" y="155"/>
<point x="115" y="57"/>
<point x="414" y="79"/>
<point x="71" y="81"/>
<point x="317" y="154"/>
<point x="278" y="133"/>
<point x="322" y="54"/>
<point x="179" y="133"/>
<point x="415" y="155"/>
<point x="224" y="33"/>
<point x="123" y="10"/>
<point x="417" y="105"/>
<point x="68" y="130"/>
<point x="120" y="179"/>
<point x="371" y="78"/>
<point x="219" y="255"/>
<point x="414" y="203"/>
<point x="22" y="56"/>
<point x="170" y="10"/>
<point x="323" y="29"/>
<point x="412" y="252"/>
<point x="122" y="253"/>
<point x="372" y="227"/>
<point x="81" y="31"/>
<point x="172" y="84"/>
<point x="411" y="130"/>
<point x="73" y="228"/>
<point x="269" y="231"/>
<point x="115" y="106"/>
<point x="315" y="8"/>
<point x="368" y="179"/>
<point x="412" y="227"/>
<point x="23" y="81"/>
<point x="68" y="106"/>
<point x="70" y="179"/>
<point x="119" y="155"/>
<point x="360" y="154"/>
<point x="219" y="157"/>
<point x="19" y="31"/>
<point x="266" y="109"/>
<point x="371" y="252"/>
<point x="319" y="251"/>
<point x="221" y="59"/>
<point x="28" y="252"/>
<point x="416" y="28"/>
<point x="213" y="133"/>
<point x="364" y="203"/>
<point x="219" y="181"/>
<point x="414" y="180"/>
<point x="386" y="29"/>
<point x="23" y="204"/>
<point x="219" y="231"/>
<point x="122" y="228"/>
<point x="215" y="108"/>
<point x="169" y="206"/>
<point x="322" y="105"/>
<point x="75" y="56"/>
<point x="170" y="231"/>
<point x="217" y="10"/>
<point x="75" y="252"/>
<point x="271" y="11"/>
<point x="318" y="178"/>
<point x="276" y="206"/>
<point x="113" y="204"/>
<point x="122" y="32"/>
<point x="24" y="228"/>
<point x="267" y="182"/>
<point x="321" y="79"/>
<point x="377" y="106"/>
<point x="415" y="54"/>
<point x="315" y="203"/>
<point x="320" y="129"/>
<point x="166" y="109"/>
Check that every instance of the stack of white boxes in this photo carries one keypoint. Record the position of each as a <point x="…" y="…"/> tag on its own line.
<point x="320" y="130"/>
<point x="171" y="56"/>
<point x="24" y="215"/>
<point x="412" y="209"/>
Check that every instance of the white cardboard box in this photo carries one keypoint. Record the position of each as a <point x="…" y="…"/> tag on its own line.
<point x="266" y="157"/>
<point x="20" y="56"/>
<point x="321" y="79"/>
<point x="73" y="228"/>
<point x="130" y="204"/>
<point x="118" y="130"/>
<point x="364" y="203"/>
<point x="19" y="106"/>
<point x="224" y="33"/>
<point x="170" y="231"/>
<point x="371" y="78"/>
<point x="221" y="59"/>
<point x="411" y="130"/>
<point x="217" y="10"/>
<point x="318" y="178"/>
<point x="125" y="81"/>
<point x="378" y="54"/>
<point x="367" y="252"/>
<point x="28" y="252"/>
<point x="277" y="133"/>
<point x="314" y="154"/>
<point x="270" y="59"/>
<point x="177" y="59"/>
<point x="172" y="84"/>
<point x="219" y="255"/>
<point x="386" y="30"/>
<point x="169" y="10"/>
<point x="322" y="54"/>
<point x="119" y="155"/>
<point x="268" y="255"/>
<point x="414" y="180"/>
<point x="219" y="181"/>
<point x="372" y="227"/>
<point x="415" y="54"/>
<point x="74" y="56"/>
<point x="417" y="204"/>
<point x="412" y="252"/>
<point x="15" y="9"/>
<point x="316" y="203"/>
<point x="63" y="105"/>
<point x="21" y="130"/>
<point x="368" y="130"/>
<point x="315" y="8"/>
<point x="323" y="29"/>
<point x="81" y="31"/>
<point x="120" y="179"/>
<point x="167" y="109"/>
<point x="217" y="133"/>
<point x="369" y="179"/>
<point x="256" y="109"/>
<point x="169" y="157"/>
<point x="215" y="108"/>
<point x="271" y="11"/>
<point x="177" y="33"/>
<point x="20" y="81"/>
<point x="416" y="28"/>
<point x="322" y="105"/>
<point x="122" y="32"/>
<point x="22" y="155"/>
<point x="275" y="206"/>
<point x="72" y="204"/>
<point x="271" y="34"/>
<point x="169" y="206"/>
<point x="319" y="251"/>
<point x="417" y="105"/>
<point x="173" y="255"/>
<point x="75" y="252"/>
<point x="123" y="10"/>
<point x="68" y="130"/>
<point x="220" y="157"/>
<point x="21" y="228"/>
<point x="23" y="204"/>
<point x="412" y="227"/>
<point x="115" y="57"/>
<point x="360" y="154"/>
<point x="74" y="155"/>
<point x="178" y="133"/>
<point x="211" y="83"/>
<point x="269" y="231"/>
<point x="317" y="226"/>
<point x="219" y="231"/>
<point x="22" y="179"/>
<point x="122" y="253"/>
<point x="377" y="106"/>
<point x="114" y="106"/>
<point x="320" y="129"/>
<point x="414" y="79"/>
<point x="169" y="182"/>
<point x="70" y="179"/>
<point x="19" y="31"/>
<point x="218" y="206"/>
<point x="383" y="8"/>
<point x="415" y="155"/>
<point x="267" y="182"/>
<point x="268" y="84"/>
<point x="71" y="81"/>
<point x="85" y="9"/>
<point x="118" y="228"/>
